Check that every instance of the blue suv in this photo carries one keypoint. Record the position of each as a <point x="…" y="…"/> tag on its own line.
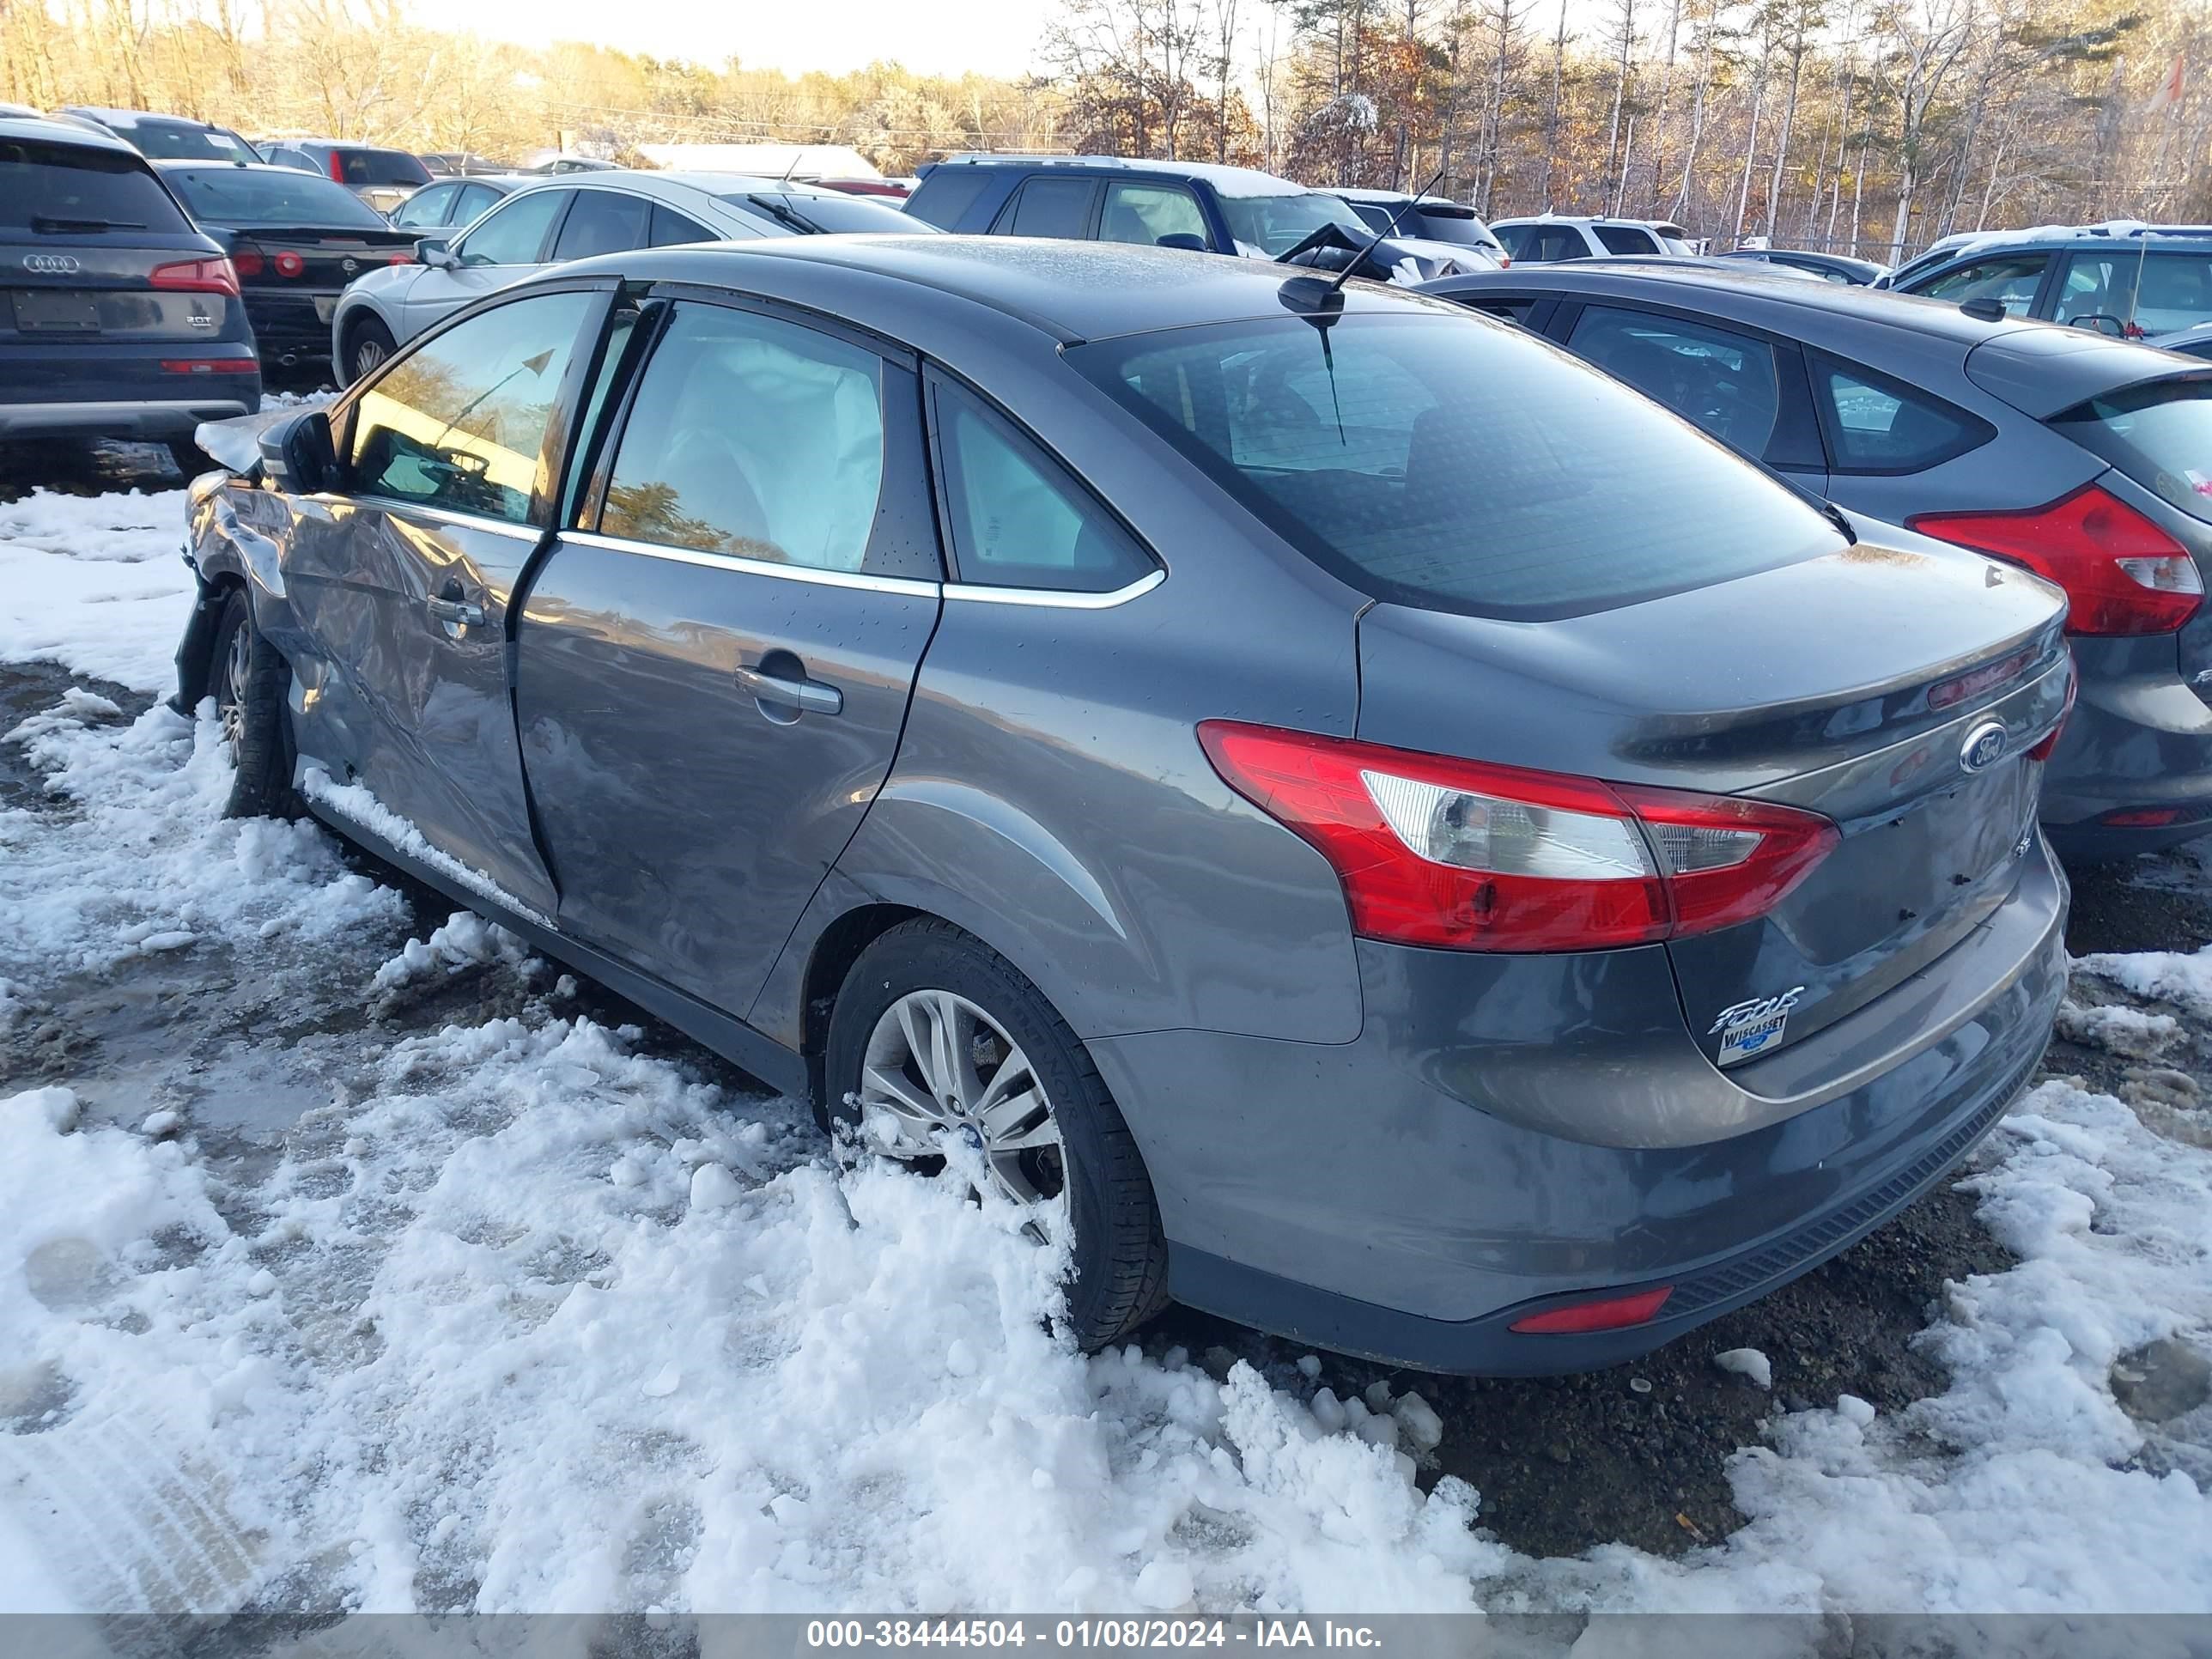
<point x="1188" y="205"/>
<point x="2126" y="280"/>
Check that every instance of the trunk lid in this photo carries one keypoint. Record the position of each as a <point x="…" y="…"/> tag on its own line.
<point x="327" y="259"/>
<point x="1863" y="686"/>
<point x="60" y="290"/>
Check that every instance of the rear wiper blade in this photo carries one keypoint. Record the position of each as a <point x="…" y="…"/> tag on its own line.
<point x="784" y="211"/>
<point x="46" y="221"/>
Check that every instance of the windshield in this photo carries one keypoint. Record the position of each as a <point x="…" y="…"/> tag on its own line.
<point x="1273" y="225"/>
<point x="812" y="214"/>
<point x="2158" y="435"/>
<point x="242" y="195"/>
<point x="1454" y="463"/>
<point x="175" y="140"/>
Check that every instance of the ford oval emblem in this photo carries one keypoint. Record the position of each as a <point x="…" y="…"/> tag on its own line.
<point x="1984" y="748"/>
<point x="51" y="265"/>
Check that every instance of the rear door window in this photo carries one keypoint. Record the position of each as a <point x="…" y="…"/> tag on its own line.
<point x="515" y="235"/>
<point x="69" y="190"/>
<point x="1018" y="518"/>
<point x="2129" y="291"/>
<point x="1723" y="380"/>
<point x="944" y="198"/>
<point x="1146" y="213"/>
<point x="459" y="422"/>
<point x="2011" y="280"/>
<point x="1049" y="207"/>
<point x="1436" y="461"/>
<point x="1877" y="425"/>
<point x="426" y="210"/>
<point x="1626" y="238"/>
<point x="752" y="436"/>
<point x="602" y="222"/>
<point x="1554" y="242"/>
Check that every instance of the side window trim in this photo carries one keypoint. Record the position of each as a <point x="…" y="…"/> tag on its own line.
<point x="937" y="378"/>
<point x="551" y="449"/>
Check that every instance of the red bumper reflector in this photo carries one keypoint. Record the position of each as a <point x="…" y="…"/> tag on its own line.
<point x="1613" y="1313"/>
<point x="205" y="365"/>
<point x="2142" y="817"/>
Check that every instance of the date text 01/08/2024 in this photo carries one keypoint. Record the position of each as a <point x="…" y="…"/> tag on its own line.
<point x="1127" y="1632"/>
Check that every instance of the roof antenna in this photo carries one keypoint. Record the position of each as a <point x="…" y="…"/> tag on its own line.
<point x="1322" y="294"/>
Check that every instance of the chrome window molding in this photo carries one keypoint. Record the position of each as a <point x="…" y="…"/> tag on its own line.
<point x="1055" y="598"/>
<point x="741" y="565"/>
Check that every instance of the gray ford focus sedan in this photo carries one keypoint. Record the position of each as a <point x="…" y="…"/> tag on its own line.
<point x="1377" y="829"/>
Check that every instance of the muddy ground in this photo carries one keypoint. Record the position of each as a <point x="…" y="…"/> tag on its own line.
<point x="1637" y="1454"/>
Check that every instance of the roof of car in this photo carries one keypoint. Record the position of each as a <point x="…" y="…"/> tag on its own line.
<point x="63" y="132"/>
<point x="1698" y="283"/>
<point x="1588" y="219"/>
<point x="1072" y="290"/>
<point x="138" y="117"/>
<point x="219" y="164"/>
<point x="1351" y="194"/>
<point x="1229" y="181"/>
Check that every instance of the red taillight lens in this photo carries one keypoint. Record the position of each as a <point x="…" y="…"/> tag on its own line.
<point x="401" y="259"/>
<point x="1612" y="1314"/>
<point x="245" y="259"/>
<point x="198" y="276"/>
<point x="337" y="168"/>
<point x="1464" y="855"/>
<point x="204" y="365"/>
<point x="2049" y="740"/>
<point x="2121" y="572"/>
<point x="288" y="264"/>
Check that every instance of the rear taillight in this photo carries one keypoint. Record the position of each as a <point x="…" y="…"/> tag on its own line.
<point x="2122" y="573"/>
<point x="204" y="366"/>
<point x="1436" y="851"/>
<point x="246" y="260"/>
<point x="198" y="276"/>
<point x="288" y="264"/>
<point x="337" y="168"/>
<point x="401" y="259"/>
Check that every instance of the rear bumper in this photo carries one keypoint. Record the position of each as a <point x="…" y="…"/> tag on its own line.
<point x="2139" y="738"/>
<point x="156" y="421"/>
<point x="287" y="328"/>
<point x="1367" y="1198"/>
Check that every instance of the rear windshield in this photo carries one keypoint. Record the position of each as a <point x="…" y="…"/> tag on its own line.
<point x="2158" y="435"/>
<point x="63" y="190"/>
<point x="381" y="166"/>
<point x="1441" y="222"/>
<point x="827" y="213"/>
<point x="1455" y="463"/>
<point x="235" y="196"/>
<point x="174" y="140"/>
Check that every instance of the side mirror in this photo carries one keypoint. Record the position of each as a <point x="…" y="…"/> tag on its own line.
<point x="1184" y="240"/>
<point x="435" y="252"/>
<point x="297" y="455"/>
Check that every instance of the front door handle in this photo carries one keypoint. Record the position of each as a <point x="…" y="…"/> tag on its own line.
<point x="791" y="690"/>
<point x="460" y="613"/>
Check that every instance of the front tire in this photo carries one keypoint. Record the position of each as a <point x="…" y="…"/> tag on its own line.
<point x="249" y="682"/>
<point x="938" y="1033"/>
<point x="369" y="345"/>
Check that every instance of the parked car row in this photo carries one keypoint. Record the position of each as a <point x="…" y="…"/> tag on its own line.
<point x="1499" y="854"/>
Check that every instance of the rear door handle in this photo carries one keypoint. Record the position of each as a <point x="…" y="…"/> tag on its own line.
<point x="811" y="695"/>
<point x="461" y="612"/>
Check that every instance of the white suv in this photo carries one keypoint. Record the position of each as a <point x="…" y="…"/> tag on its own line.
<point x="1549" y="238"/>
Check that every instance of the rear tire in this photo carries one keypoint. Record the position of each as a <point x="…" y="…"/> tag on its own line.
<point x="369" y="345"/>
<point x="1119" y="1255"/>
<point x="250" y="682"/>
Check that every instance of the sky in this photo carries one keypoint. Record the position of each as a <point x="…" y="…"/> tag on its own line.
<point x="991" y="37"/>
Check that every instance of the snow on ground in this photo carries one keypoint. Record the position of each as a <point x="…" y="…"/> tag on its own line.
<point x="516" y="1316"/>
<point x="94" y="583"/>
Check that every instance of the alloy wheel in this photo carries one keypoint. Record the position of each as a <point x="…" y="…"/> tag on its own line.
<point x="938" y="1064"/>
<point x="230" y="697"/>
<point x="367" y="355"/>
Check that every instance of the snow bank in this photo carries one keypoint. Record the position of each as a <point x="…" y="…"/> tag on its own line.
<point x="95" y="583"/>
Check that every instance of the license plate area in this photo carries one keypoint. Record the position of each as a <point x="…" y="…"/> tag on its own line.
<point x="55" y="311"/>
